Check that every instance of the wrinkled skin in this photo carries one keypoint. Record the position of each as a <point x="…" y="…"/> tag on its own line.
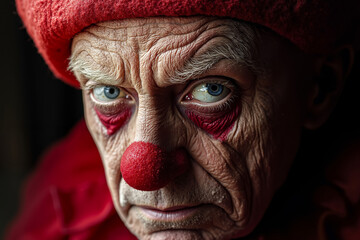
<point x="231" y="179"/>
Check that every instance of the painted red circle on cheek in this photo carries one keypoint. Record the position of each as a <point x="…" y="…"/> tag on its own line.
<point x="145" y="166"/>
<point x="114" y="122"/>
<point x="219" y="126"/>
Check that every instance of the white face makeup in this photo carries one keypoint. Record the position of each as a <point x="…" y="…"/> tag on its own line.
<point x="227" y="95"/>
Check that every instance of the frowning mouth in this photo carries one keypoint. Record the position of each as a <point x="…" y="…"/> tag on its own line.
<point x="178" y="213"/>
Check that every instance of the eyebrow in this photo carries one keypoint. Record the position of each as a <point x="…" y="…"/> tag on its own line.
<point x="91" y="71"/>
<point x="198" y="65"/>
<point x="193" y="68"/>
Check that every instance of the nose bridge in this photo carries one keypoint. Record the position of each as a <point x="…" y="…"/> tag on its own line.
<point x="153" y="121"/>
<point x="155" y="157"/>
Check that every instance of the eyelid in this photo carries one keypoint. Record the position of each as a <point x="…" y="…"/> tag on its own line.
<point x="90" y="90"/>
<point x="112" y="107"/>
<point x="225" y="81"/>
<point x="90" y="85"/>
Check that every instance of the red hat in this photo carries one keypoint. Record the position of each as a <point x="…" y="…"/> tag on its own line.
<point x="315" y="26"/>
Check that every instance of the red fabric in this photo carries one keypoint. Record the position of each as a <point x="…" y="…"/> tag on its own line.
<point x="313" y="25"/>
<point x="67" y="197"/>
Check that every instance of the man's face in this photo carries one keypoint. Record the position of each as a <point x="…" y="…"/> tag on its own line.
<point x="231" y="97"/>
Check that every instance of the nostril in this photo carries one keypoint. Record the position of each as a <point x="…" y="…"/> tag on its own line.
<point x="146" y="166"/>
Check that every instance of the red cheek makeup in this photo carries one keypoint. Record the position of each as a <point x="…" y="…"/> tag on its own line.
<point x="115" y="121"/>
<point x="218" y="126"/>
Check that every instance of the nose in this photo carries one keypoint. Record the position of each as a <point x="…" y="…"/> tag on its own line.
<point x="154" y="159"/>
<point x="147" y="167"/>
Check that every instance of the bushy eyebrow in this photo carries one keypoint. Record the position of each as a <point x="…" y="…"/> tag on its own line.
<point x="240" y="46"/>
<point x="198" y="65"/>
<point x="91" y="71"/>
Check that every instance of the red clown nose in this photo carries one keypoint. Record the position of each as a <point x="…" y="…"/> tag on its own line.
<point x="147" y="167"/>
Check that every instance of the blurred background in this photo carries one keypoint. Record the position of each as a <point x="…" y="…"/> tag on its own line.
<point x="36" y="109"/>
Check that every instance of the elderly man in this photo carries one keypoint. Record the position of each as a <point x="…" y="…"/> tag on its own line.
<point x="197" y="111"/>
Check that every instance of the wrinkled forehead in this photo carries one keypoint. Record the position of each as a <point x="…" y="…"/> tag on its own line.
<point x="164" y="45"/>
<point x="147" y="32"/>
<point x="157" y="27"/>
<point x="172" y="48"/>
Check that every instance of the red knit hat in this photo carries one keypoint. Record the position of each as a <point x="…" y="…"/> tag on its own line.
<point x="313" y="25"/>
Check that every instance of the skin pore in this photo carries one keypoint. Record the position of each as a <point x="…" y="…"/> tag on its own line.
<point x="193" y="84"/>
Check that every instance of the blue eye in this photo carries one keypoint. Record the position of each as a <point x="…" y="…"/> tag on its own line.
<point x="108" y="93"/>
<point x="214" y="89"/>
<point x="210" y="92"/>
<point x="111" y="92"/>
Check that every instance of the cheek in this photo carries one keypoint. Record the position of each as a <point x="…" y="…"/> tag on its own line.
<point x="218" y="126"/>
<point x="114" y="122"/>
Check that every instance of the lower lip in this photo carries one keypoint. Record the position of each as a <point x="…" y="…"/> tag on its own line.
<point x="169" y="215"/>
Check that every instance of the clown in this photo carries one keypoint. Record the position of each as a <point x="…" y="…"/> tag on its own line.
<point x="196" y="109"/>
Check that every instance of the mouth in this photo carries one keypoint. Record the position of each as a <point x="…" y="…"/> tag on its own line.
<point x="172" y="214"/>
<point x="178" y="222"/>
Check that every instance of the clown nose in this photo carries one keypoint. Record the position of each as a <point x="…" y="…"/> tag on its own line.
<point x="147" y="167"/>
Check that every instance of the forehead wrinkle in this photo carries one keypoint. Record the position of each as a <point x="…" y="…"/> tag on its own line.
<point x="114" y="51"/>
<point x="173" y="57"/>
<point x="117" y="45"/>
<point x="169" y="42"/>
<point x="147" y="27"/>
<point x="184" y="50"/>
<point x="195" y="67"/>
<point x="183" y="38"/>
<point x="204" y="61"/>
<point x="141" y="42"/>
<point x="92" y="70"/>
<point x="232" y="40"/>
<point x="112" y="45"/>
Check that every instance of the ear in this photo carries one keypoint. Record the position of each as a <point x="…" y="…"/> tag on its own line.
<point x="330" y="75"/>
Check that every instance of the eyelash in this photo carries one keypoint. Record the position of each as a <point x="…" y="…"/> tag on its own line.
<point x="109" y="108"/>
<point x="225" y="104"/>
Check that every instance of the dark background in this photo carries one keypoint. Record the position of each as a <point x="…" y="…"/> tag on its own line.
<point x="35" y="109"/>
